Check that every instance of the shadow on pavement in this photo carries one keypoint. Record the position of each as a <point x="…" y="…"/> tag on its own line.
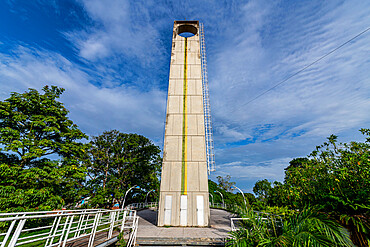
<point x="149" y="215"/>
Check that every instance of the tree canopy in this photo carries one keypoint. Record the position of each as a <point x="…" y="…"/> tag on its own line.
<point x="34" y="126"/>
<point x="262" y="188"/>
<point x="117" y="161"/>
<point x="335" y="177"/>
<point x="225" y="183"/>
<point x="229" y="197"/>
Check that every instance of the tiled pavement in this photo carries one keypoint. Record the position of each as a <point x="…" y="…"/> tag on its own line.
<point x="149" y="234"/>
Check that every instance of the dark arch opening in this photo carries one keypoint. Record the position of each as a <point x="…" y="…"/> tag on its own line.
<point x="187" y="30"/>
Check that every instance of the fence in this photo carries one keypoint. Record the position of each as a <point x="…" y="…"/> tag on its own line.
<point x="236" y="223"/>
<point x="57" y="228"/>
<point x="228" y="207"/>
<point x="142" y="205"/>
<point x="155" y="204"/>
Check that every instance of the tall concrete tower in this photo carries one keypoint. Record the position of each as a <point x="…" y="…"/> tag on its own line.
<point x="184" y="183"/>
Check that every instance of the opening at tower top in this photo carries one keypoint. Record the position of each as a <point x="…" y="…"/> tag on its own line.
<point x="186" y="31"/>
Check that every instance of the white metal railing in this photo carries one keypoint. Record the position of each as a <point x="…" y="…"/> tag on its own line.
<point x="229" y="207"/>
<point x="56" y="228"/>
<point x="234" y="225"/>
<point x="218" y="205"/>
<point x="235" y="222"/>
<point x="142" y="205"/>
<point x="155" y="204"/>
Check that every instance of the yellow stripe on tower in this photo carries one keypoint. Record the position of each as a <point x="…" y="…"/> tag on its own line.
<point x="184" y="177"/>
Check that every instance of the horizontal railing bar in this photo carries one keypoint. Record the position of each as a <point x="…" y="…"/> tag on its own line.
<point x="37" y="228"/>
<point x="46" y="216"/>
<point x="56" y="211"/>
<point x="81" y="229"/>
<point x="103" y="229"/>
<point x="32" y="240"/>
<point x="39" y="239"/>
<point x="74" y="238"/>
<point x="33" y="236"/>
<point x="75" y="223"/>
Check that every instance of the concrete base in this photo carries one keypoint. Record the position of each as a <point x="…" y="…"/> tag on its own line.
<point x="149" y="234"/>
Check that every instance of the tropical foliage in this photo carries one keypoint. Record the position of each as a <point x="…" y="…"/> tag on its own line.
<point x="227" y="196"/>
<point x="225" y="184"/>
<point x="306" y="228"/>
<point x="33" y="127"/>
<point x="46" y="164"/>
<point x="334" y="177"/>
<point x="117" y="161"/>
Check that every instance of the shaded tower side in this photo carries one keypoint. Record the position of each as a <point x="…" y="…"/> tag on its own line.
<point x="184" y="182"/>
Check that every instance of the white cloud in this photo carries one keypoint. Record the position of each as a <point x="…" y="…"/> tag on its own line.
<point x="116" y="31"/>
<point x="231" y="134"/>
<point x="270" y="169"/>
<point x="330" y="97"/>
<point x="246" y="175"/>
<point x="250" y="46"/>
<point x="94" y="109"/>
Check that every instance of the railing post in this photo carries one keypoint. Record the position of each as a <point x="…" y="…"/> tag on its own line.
<point x="53" y="230"/>
<point x="79" y="225"/>
<point x="69" y="228"/>
<point x="135" y="230"/>
<point x="132" y="238"/>
<point x="17" y="232"/>
<point x="112" y="218"/>
<point x="8" y="233"/>
<point x="116" y="217"/>
<point x="64" y="228"/>
<point x="87" y="221"/>
<point x="93" y="232"/>
<point x="123" y="220"/>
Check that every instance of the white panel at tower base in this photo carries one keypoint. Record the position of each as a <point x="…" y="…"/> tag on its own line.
<point x="184" y="182"/>
<point x="167" y="210"/>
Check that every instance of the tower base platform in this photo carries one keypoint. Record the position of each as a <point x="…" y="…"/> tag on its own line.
<point x="149" y="234"/>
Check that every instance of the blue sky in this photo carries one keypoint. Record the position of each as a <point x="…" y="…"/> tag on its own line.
<point x="112" y="57"/>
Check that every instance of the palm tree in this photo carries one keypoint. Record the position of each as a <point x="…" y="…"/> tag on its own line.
<point x="306" y="228"/>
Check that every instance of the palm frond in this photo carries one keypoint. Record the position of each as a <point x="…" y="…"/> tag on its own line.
<point x="309" y="228"/>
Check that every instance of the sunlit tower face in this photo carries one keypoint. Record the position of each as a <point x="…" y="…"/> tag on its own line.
<point x="184" y="182"/>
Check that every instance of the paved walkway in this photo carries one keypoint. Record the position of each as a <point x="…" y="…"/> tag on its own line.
<point x="149" y="234"/>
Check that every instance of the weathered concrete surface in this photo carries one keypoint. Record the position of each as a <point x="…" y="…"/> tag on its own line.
<point x="150" y="234"/>
<point x="184" y="197"/>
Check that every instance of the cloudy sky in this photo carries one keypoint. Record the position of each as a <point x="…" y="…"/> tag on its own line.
<point x="113" y="57"/>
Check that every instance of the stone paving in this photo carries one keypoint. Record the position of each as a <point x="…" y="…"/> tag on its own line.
<point x="149" y="234"/>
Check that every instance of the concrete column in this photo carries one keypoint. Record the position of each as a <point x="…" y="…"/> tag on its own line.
<point x="184" y="183"/>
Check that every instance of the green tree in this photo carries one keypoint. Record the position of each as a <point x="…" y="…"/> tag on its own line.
<point x="225" y="184"/>
<point x="34" y="126"/>
<point x="297" y="162"/>
<point x="336" y="177"/>
<point x="277" y="195"/>
<point x="117" y="161"/>
<point x="229" y="197"/>
<point x="262" y="189"/>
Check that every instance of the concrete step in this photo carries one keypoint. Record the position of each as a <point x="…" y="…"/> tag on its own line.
<point x="143" y="241"/>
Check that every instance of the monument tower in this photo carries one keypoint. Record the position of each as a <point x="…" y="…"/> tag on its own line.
<point x="184" y="183"/>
